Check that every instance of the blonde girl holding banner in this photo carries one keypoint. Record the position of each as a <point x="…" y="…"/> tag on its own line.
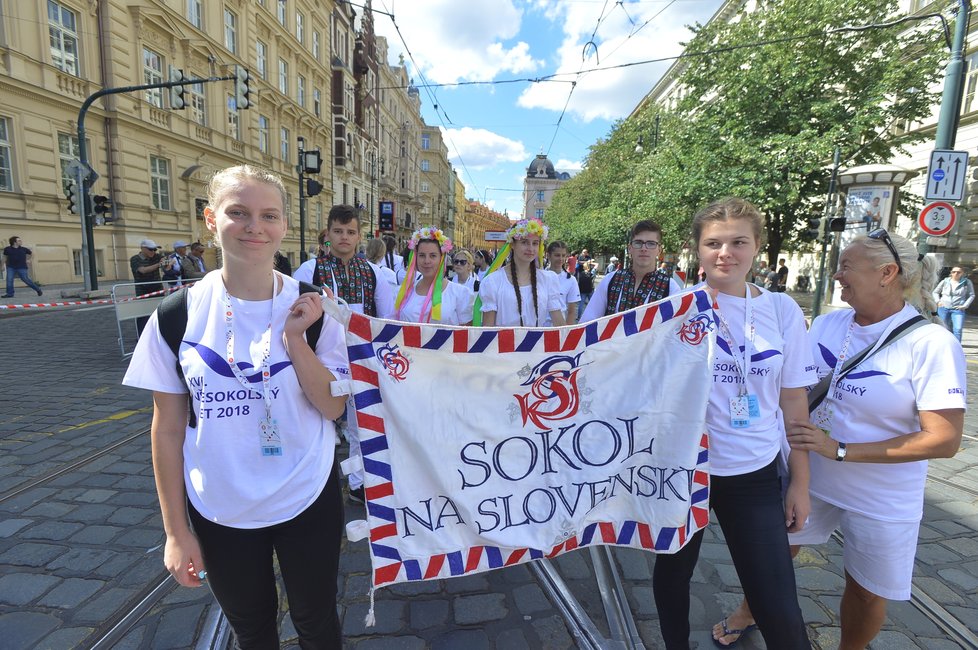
<point x="761" y="366"/>
<point x="254" y="474"/>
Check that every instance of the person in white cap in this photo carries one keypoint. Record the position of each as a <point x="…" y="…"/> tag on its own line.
<point x="178" y="263"/>
<point x="146" y="265"/>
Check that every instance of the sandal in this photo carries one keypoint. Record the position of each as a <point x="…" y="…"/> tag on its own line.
<point x="728" y="632"/>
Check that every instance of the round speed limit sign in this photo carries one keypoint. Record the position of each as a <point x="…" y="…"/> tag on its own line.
<point x="937" y="219"/>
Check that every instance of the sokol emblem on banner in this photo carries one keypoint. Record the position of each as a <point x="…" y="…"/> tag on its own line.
<point x="394" y="360"/>
<point x="696" y="329"/>
<point x="553" y="385"/>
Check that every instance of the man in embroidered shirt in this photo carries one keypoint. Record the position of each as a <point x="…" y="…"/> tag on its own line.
<point x="624" y="289"/>
<point x="352" y="279"/>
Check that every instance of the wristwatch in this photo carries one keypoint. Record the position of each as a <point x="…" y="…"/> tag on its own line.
<point x="840" y="453"/>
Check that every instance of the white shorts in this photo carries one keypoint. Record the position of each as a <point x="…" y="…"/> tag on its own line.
<point x="879" y="555"/>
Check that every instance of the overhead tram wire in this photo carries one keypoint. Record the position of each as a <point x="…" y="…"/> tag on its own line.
<point x="442" y="114"/>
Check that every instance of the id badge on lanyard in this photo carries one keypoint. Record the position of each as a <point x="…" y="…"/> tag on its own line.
<point x="269" y="436"/>
<point x="744" y="407"/>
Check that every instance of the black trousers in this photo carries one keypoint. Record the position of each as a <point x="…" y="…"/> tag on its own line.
<point x="241" y="574"/>
<point x="750" y="510"/>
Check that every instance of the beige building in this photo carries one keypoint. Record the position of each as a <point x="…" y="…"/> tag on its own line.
<point x="476" y="221"/>
<point x="436" y="192"/>
<point x="153" y="161"/>
<point x="541" y="182"/>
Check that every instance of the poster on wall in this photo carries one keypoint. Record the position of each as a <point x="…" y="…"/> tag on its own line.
<point x="867" y="208"/>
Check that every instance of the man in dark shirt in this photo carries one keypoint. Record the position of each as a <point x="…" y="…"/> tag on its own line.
<point x="146" y="265"/>
<point x="782" y="276"/>
<point x="15" y="258"/>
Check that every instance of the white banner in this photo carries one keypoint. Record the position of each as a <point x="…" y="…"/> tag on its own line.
<point x="488" y="447"/>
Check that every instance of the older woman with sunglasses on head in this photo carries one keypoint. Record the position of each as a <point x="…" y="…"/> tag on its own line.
<point x="883" y="414"/>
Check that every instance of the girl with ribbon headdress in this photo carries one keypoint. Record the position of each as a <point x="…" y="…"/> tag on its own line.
<point x="432" y="298"/>
<point x="523" y="295"/>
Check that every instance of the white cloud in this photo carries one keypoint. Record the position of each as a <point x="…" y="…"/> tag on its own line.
<point x="565" y="165"/>
<point x="609" y="94"/>
<point x="453" y="41"/>
<point x="481" y="149"/>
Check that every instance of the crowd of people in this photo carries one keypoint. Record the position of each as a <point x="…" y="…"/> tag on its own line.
<point x="789" y="463"/>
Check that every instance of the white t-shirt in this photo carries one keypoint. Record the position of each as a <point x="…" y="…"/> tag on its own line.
<point x="598" y="305"/>
<point x="497" y="295"/>
<point x="570" y="293"/>
<point x="780" y="358"/>
<point x="880" y="400"/>
<point x="456" y="305"/>
<point x="227" y="478"/>
<point x="469" y="283"/>
<point x="398" y="267"/>
<point x="390" y="276"/>
<point x="383" y="294"/>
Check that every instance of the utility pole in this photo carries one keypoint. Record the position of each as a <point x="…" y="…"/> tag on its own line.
<point x="830" y="201"/>
<point x="310" y="162"/>
<point x="947" y="121"/>
<point x="86" y="176"/>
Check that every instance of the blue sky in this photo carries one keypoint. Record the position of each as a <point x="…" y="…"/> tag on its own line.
<point x="493" y="131"/>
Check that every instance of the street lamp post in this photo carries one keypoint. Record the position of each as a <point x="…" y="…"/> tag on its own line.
<point x="373" y="183"/>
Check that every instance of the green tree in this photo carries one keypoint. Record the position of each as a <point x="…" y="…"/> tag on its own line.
<point x="766" y="98"/>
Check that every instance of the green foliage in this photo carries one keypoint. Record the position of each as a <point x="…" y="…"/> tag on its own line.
<point x="759" y="118"/>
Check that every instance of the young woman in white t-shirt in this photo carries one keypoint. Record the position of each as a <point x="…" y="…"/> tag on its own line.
<point x="570" y="294"/>
<point x="432" y="298"/>
<point x="251" y="471"/>
<point x="522" y="294"/>
<point x="760" y="368"/>
<point x="376" y="250"/>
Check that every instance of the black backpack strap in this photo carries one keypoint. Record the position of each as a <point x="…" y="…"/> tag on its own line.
<point x="172" y="317"/>
<point x="314" y="330"/>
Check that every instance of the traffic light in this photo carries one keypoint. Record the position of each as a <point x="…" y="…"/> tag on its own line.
<point x="313" y="187"/>
<point x="73" y="193"/>
<point x="837" y="224"/>
<point x="241" y="87"/>
<point x="312" y="161"/>
<point x="816" y="226"/>
<point x="177" y="101"/>
<point x="102" y="209"/>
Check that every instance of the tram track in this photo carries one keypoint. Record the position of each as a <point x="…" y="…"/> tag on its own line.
<point x="70" y="467"/>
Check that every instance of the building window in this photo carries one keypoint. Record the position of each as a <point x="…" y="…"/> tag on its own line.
<point x="263" y="134"/>
<point x="282" y="6"/>
<point x="234" y="119"/>
<point x="315" y="44"/>
<point x="67" y="151"/>
<point x="425" y="141"/>
<point x="283" y="77"/>
<point x="198" y="105"/>
<point x="541" y="196"/>
<point x="76" y="259"/>
<point x="539" y="213"/>
<point x="968" y="102"/>
<point x="159" y="177"/>
<point x="261" y="60"/>
<point x="300" y="91"/>
<point x="195" y="13"/>
<point x="230" y="31"/>
<point x="153" y="74"/>
<point x="425" y="166"/>
<point x="317" y="102"/>
<point x="284" y="135"/>
<point x="424" y="186"/>
<point x="6" y="157"/>
<point x="63" y="34"/>
<point x="300" y="27"/>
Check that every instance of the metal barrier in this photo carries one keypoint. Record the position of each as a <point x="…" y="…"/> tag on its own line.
<point x="129" y="307"/>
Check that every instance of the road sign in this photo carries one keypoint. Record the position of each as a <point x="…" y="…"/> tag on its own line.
<point x="937" y="219"/>
<point x="937" y="241"/>
<point x="495" y="235"/>
<point x="78" y="169"/>
<point x="946" y="175"/>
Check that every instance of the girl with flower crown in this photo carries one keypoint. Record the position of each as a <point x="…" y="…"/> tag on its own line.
<point x="523" y="294"/>
<point x="432" y="298"/>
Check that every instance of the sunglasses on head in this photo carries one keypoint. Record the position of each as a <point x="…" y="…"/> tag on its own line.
<point x="881" y="235"/>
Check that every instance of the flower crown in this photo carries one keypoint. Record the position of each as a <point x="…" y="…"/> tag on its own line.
<point x="525" y="228"/>
<point x="431" y="233"/>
